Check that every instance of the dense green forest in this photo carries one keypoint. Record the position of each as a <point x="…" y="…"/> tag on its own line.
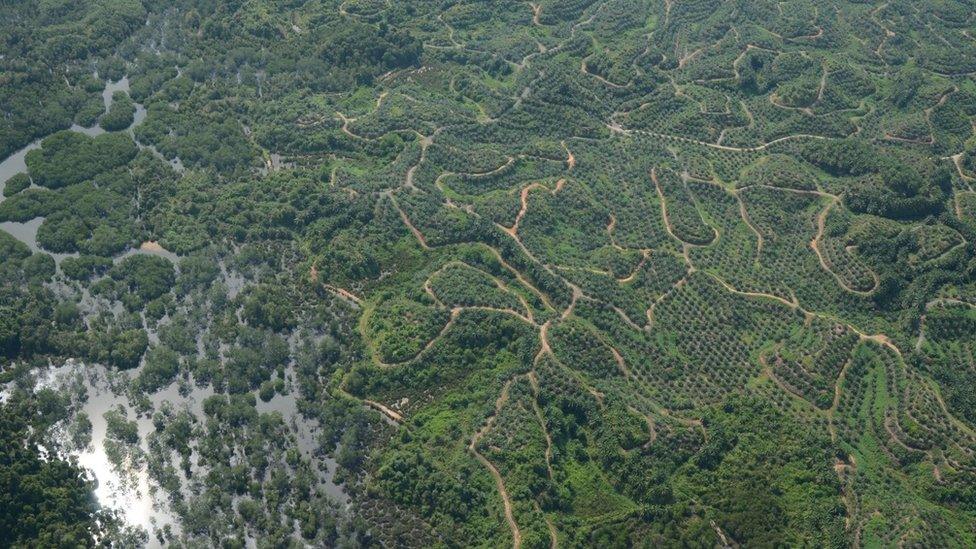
<point x="455" y="273"/>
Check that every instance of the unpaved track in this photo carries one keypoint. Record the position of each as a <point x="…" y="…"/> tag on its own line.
<point x="880" y="339"/>
<point x="815" y="244"/>
<point x="745" y="218"/>
<point x="345" y="126"/>
<point x="455" y="313"/>
<point x="395" y="416"/>
<point x="603" y="80"/>
<point x="520" y="277"/>
<point x="838" y="390"/>
<point x="667" y="218"/>
<point x="651" y="426"/>
<point x="570" y="159"/>
<point x="392" y="416"/>
<point x="524" y="199"/>
<point x="664" y="206"/>
<point x="499" y="482"/>
<point x="528" y="318"/>
<point x="343" y="293"/>
<point x="610" y="228"/>
<point x="544" y="348"/>
<point x="406" y="221"/>
<point x="645" y="254"/>
<point x="534" y="381"/>
<point x="614" y="127"/>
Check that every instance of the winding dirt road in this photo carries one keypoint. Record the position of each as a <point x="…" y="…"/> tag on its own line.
<point x="499" y="481"/>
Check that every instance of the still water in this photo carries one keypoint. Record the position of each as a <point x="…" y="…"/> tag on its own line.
<point x="14" y="164"/>
<point x="126" y="485"/>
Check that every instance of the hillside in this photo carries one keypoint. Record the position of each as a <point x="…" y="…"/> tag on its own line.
<point x="564" y="273"/>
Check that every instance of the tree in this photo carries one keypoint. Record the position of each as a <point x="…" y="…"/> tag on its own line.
<point x="120" y="113"/>
<point x="46" y="502"/>
<point x="146" y="276"/>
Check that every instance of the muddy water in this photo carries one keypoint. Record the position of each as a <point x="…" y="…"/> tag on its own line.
<point x="305" y="431"/>
<point x="14" y="164"/>
<point x="93" y="131"/>
<point x="138" y="118"/>
<point x="27" y="233"/>
<point x="128" y="487"/>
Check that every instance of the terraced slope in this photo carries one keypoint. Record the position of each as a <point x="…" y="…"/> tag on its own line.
<point x="554" y="273"/>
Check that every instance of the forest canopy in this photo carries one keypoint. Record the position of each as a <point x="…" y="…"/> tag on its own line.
<point x="562" y="273"/>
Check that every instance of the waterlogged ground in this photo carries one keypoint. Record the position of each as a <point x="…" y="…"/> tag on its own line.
<point x="561" y="273"/>
<point x="123" y="485"/>
<point x="121" y="470"/>
<point x="14" y="164"/>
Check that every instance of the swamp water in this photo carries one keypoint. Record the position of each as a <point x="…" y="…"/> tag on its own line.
<point x="120" y="470"/>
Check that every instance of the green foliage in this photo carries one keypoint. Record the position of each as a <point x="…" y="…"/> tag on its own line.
<point x="67" y="158"/>
<point x="214" y="141"/>
<point x="770" y="480"/>
<point x="127" y="347"/>
<point x="401" y="328"/>
<point x="159" y="370"/>
<point x="120" y="113"/>
<point x="145" y="276"/>
<point x="39" y="267"/>
<point x="85" y="267"/>
<point x="12" y="249"/>
<point x="47" y="501"/>
<point x="269" y="306"/>
<point x="580" y="272"/>
<point x="120" y="429"/>
<point x="16" y="184"/>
